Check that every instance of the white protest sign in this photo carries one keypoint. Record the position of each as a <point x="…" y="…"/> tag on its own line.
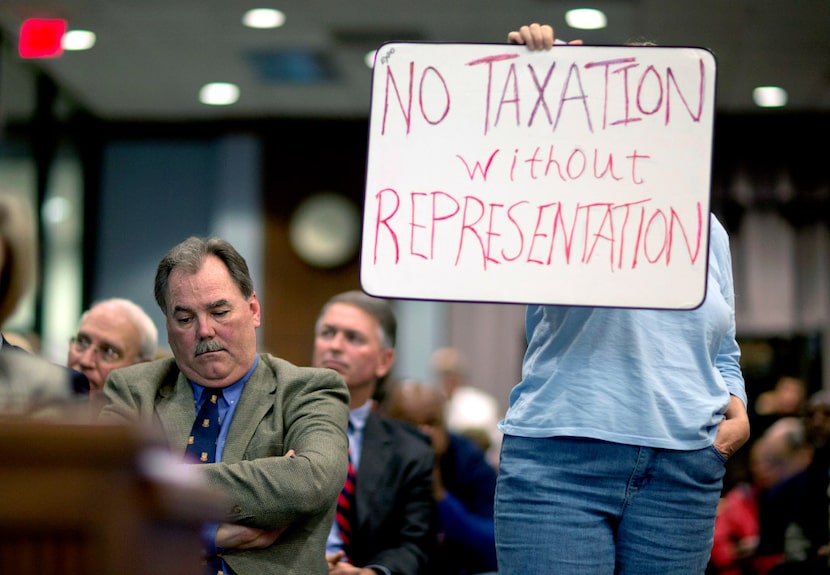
<point x="579" y="175"/>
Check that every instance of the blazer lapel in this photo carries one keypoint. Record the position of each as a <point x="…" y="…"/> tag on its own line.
<point x="177" y="411"/>
<point x="257" y="398"/>
<point x="371" y="488"/>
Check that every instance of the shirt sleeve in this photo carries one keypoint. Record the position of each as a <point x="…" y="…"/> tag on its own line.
<point x="729" y="354"/>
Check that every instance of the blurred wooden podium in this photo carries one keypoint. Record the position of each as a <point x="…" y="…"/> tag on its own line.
<point x="96" y="500"/>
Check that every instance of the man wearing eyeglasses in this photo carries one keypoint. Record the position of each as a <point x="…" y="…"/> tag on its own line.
<point x="112" y="333"/>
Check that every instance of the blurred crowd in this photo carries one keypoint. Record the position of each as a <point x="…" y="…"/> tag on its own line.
<point x="773" y="517"/>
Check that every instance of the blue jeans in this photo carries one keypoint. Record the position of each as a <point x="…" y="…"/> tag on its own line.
<point x="577" y="506"/>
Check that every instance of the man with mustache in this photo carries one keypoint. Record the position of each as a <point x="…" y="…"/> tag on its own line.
<point x="393" y="522"/>
<point x="281" y="452"/>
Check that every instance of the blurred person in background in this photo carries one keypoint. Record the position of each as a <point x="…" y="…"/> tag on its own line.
<point x="795" y="515"/>
<point x="29" y="385"/>
<point x="112" y="333"/>
<point x="780" y="453"/>
<point x="471" y="411"/>
<point x="463" y="483"/>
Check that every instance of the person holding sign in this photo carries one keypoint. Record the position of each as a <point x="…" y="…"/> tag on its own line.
<point x="617" y="434"/>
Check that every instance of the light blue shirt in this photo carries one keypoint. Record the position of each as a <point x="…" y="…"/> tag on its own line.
<point x="654" y="378"/>
<point x="357" y="422"/>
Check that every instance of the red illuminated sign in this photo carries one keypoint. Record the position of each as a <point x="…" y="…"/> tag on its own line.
<point x="41" y="38"/>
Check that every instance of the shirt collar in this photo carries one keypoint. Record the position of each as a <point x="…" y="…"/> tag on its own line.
<point x="230" y="393"/>
<point x="359" y="415"/>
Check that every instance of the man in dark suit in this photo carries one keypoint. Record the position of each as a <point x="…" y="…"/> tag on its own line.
<point x="281" y="453"/>
<point x="395" y="520"/>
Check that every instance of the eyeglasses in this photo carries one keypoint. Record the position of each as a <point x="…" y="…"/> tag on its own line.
<point x="106" y="353"/>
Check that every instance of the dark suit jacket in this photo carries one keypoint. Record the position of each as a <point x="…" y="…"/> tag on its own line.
<point x="282" y="407"/>
<point x="393" y="498"/>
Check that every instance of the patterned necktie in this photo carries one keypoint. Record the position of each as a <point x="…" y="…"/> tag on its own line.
<point x="345" y="510"/>
<point x="201" y="445"/>
<point x="201" y="448"/>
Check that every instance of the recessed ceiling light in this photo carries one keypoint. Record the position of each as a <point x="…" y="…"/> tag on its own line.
<point x="263" y="18"/>
<point x="219" y="94"/>
<point x="78" y="40"/>
<point x="586" y="19"/>
<point x="769" y="96"/>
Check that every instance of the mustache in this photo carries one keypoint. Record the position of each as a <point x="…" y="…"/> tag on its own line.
<point x="206" y="346"/>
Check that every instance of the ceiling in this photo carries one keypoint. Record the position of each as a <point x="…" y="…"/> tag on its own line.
<point x="152" y="56"/>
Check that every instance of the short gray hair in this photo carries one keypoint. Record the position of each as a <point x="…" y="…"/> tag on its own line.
<point x="380" y="309"/>
<point x="189" y="256"/>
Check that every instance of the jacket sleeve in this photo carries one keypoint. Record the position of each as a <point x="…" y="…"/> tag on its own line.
<point x="405" y="547"/>
<point x="274" y="490"/>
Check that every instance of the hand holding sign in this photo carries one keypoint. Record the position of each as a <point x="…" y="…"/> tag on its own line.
<point x="537" y="37"/>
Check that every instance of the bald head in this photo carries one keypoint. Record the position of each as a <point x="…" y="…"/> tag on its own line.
<point x="112" y="333"/>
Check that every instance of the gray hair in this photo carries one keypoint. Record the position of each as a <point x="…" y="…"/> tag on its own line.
<point x="147" y="330"/>
<point x="380" y="309"/>
<point x="189" y="257"/>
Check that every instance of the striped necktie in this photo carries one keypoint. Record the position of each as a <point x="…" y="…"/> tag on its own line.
<point x="345" y="510"/>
